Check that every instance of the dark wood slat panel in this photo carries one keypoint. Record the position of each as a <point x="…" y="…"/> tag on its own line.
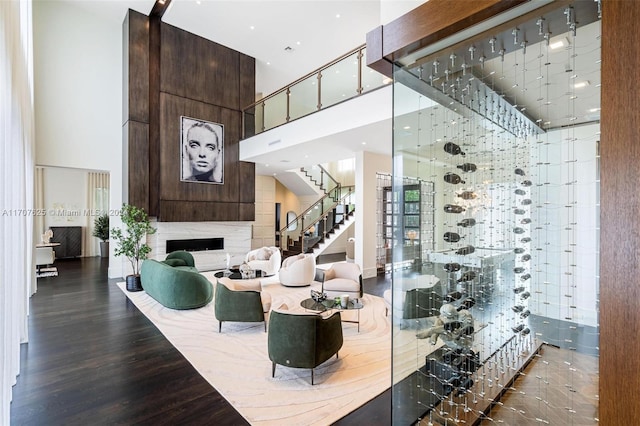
<point x="247" y="187"/>
<point x="212" y="69"/>
<point x="246" y="212"/>
<point x="153" y="74"/>
<point x="247" y="81"/>
<point x="135" y="163"/>
<point x="619" y="246"/>
<point x="198" y="211"/>
<point x="135" y="62"/>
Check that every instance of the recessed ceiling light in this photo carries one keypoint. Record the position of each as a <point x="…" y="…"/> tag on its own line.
<point x="252" y="27"/>
<point x="198" y="2"/>
<point x="266" y="165"/>
<point x="298" y="43"/>
<point x="268" y="63"/>
<point x="337" y="15"/>
<point x="364" y="143"/>
<point x="581" y="84"/>
<point x="406" y="127"/>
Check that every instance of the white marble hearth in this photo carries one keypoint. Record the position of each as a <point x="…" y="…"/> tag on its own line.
<point x="237" y="241"/>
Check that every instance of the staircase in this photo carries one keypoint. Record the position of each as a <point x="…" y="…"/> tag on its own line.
<point x="326" y="219"/>
<point x="317" y="244"/>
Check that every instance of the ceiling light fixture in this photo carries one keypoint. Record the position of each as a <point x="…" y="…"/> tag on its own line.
<point x="337" y="15"/>
<point x="252" y="27"/>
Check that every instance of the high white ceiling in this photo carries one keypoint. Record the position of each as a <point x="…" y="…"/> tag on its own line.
<point x="316" y="31"/>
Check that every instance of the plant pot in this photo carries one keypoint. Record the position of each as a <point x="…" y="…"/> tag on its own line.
<point x="104" y="248"/>
<point x="134" y="283"/>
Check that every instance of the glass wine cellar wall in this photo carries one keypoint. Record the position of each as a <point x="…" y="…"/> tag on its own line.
<point x="503" y="133"/>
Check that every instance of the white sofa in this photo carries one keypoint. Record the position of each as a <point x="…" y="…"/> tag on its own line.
<point x="298" y="271"/>
<point x="265" y="259"/>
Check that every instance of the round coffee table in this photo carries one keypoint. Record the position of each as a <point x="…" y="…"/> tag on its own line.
<point x="329" y="304"/>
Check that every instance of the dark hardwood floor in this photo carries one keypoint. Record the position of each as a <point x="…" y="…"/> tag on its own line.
<point x="93" y="358"/>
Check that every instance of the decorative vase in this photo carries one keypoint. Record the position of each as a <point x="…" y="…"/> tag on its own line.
<point x="104" y="248"/>
<point x="134" y="283"/>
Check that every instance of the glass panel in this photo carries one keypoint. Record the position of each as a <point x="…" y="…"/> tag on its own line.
<point x="303" y="98"/>
<point x="371" y="79"/>
<point x="504" y="150"/>
<point x="275" y="110"/>
<point x="340" y="81"/>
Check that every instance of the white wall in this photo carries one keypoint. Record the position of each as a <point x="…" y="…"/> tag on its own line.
<point x="367" y="165"/>
<point x="78" y="93"/>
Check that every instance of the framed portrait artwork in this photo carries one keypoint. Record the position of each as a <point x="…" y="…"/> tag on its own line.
<point x="201" y="151"/>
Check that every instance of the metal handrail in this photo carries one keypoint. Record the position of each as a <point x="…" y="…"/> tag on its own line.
<point x="322" y="68"/>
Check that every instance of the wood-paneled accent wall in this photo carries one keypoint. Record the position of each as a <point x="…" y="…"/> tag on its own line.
<point x="619" y="215"/>
<point x="186" y="75"/>
<point x="619" y="367"/>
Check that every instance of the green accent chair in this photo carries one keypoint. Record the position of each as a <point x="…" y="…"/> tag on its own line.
<point x="180" y="287"/>
<point x="180" y="258"/>
<point x="303" y="340"/>
<point x="241" y="301"/>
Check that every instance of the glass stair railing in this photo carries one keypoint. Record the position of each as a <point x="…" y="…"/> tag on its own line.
<point x="342" y="79"/>
<point x="317" y="222"/>
<point x="319" y="176"/>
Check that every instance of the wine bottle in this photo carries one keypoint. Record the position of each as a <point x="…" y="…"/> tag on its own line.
<point x="467" y="195"/>
<point x="467" y="304"/>
<point x="525" y="314"/>
<point x="452" y="267"/>
<point x="525" y="295"/>
<point x="452" y="296"/>
<point x="525" y="240"/>
<point x="451" y="237"/>
<point x="518" y="270"/>
<point x="525" y="221"/>
<point x="517" y="308"/>
<point x="527" y="183"/>
<point x="467" y="223"/>
<point x="518" y="289"/>
<point x="519" y="172"/>
<point x="518" y="250"/>
<point x="518" y="328"/>
<point x="518" y="230"/>
<point x="467" y="276"/>
<point x="453" y="149"/>
<point x="520" y="192"/>
<point x="452" y="178"/>
<point x="465" y="250"/>
<point x="452" y="208"/>
<point x="525" y="258"/>
<point x="525" y="202"/>
<point x="519" y="211"/>
<point x="467" y="167"/>
<point x="525" y="331"/>
<point x="525" y="277"/>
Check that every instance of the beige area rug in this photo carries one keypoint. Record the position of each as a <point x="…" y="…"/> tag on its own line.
<point x="237" y="364"/>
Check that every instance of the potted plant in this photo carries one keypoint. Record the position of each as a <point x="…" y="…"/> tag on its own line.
<point x="101" y="231"/>
<point x="131" y="243"/>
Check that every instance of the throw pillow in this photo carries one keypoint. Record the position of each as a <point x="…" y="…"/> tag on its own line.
<point x="263" y="254"/>
<point x="175" y="262"/>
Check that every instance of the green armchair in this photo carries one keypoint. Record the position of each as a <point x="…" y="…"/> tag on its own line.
<point x="303" y="340"/>
<point x="241" y="301"/>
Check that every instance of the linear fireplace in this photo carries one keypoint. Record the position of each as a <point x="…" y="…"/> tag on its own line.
<point x="195" y="244"/>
